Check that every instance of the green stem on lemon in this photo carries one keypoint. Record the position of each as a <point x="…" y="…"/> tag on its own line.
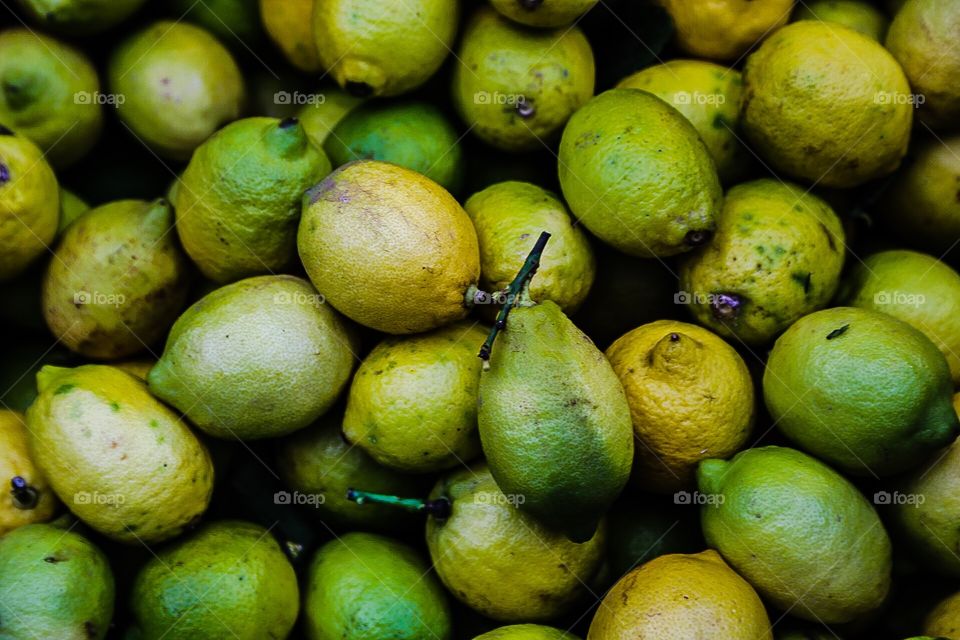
<point x="439" y="508"/>
<point x="523" y="277"/>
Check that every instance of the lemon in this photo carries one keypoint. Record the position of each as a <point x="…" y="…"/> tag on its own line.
<point x="516" y="87"/>
<point x="776" y="256"/>
<point x="826" y="104"/>
<point x="26" y="498"/>
<point x="526" y="632"/>
<point x="709" y="96"/>
<point x="122" y="461"/>
<point x="412" y="405"/>
<point x="80" y="17"/>
<point x="866" y="392"/>
<point x="543" y="13"/>
<point x="29" y="204"/>
<point x="928" y="514"/>
<point x="635" y="172"/>
<point x="921" y="204"/>
<point x="178" y="85"/>
<point x="508" y="217"/>
<point x="322" y="113"/>
<point x="725" y="29"/>
<point x="677" y="597"/>
<point x="855" y="14"/>
<point x="923" y="39"/>
<point x="388" y="247"/>
<point x="913" y="287"/>
<point x="71" y="208"/>
<point x="376" y="49"/>
<point x="289" y="23"/>
<point x="49" y="92"/>
<point x="801" y="534"/>
<point x="690" y="396"/>
<point x="944" y="620"/>
<point x="415" y="135"/>
<point x="238" y="202"/>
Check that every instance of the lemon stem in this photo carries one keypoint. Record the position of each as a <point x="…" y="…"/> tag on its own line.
<point x="526" y="272"/>
<point x="439" y="508"/>
<point x="24" y="496"/>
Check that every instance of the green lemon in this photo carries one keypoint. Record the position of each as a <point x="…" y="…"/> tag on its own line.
<point x="258" y="358"/>
<point x="175" y="85"/>
<point x="376" y="49"/>
<point x="238" y="202"/>
<point x="117" y="280"/>
<point x="916" y="288"/>
<point x="71" y="208"/>
<point x="709" y="96"/>
<point x="508" y="217"/>
<point x="543" y="13"/>
<point x="516" y="87"/>
<point x="776" y="256"/>
<point x="364" y="586"/>
<point x="856" y="14"/>
<point x="228" y="580"/>
<point x="29" y="204"/>
<point x="319" y="461"/>
<point x="860" y="389"/>
<point x="923" y="39"/>
<point x="826" y="104"/>
<point x="55" y="584"/>
<point x="412" y="405"/>
<point x="122" y="461"/>
<point x="50" y="93"/>
<point x="499" y="561"/>
<point x="798" y="531"/>
<point x="415" y="135"/>
<point x="80" y="17"/>
<point x="635" y="172"/>
<point x="324" y="110"/>
<point x="527" y="632"/>
<point x="235" y="22"/>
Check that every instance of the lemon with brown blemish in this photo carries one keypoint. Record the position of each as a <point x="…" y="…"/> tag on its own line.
<point x="118" y="458"/>
<point x="516" y="87"/>
<point x="389" y="248"/>
<point x="776" y="256"/>
<point x="826" y="104"/>
<point x="709" y="96"/>
<point x="690" y="396"/>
